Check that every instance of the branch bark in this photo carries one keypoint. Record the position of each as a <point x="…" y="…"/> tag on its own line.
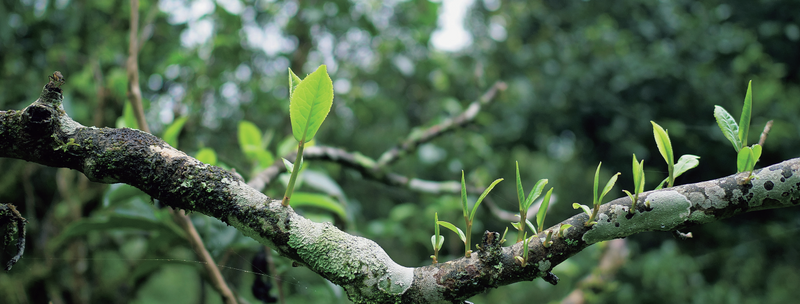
<point x="44" y="134"/>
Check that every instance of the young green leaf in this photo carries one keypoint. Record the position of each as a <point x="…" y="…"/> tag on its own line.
<point x="747" y="109"/>
<point x="310" y="104"/>
<point x="464" y="205"/>
<point x="437" y="245"/>
<point x="293" y="82"/>
<point x="171" y="133"/>
<point x="454" y="229"/>
<point x="638" y="175"/>
<point x="728" y="126"/>
<point x="663" y="143"/>
<point x="686" y="162"/>
<point x="543" y="210"/>
<point x="530" y="225"/>
<point x="288" y="165"/>
<point x="745" y="160"/>
<point x="535" y="193"/>
<point x="608" y="187"/>
<point x="584" y="207"/>
<point x="756" y="152"/>
<point x="520" y="191"/>
<point x="596" y="184"/>
<point x="563" y="228"/>
<point x="483" y="195"/>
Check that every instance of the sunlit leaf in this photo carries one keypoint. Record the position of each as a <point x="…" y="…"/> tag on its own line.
<point x="171" y="133"/>
<point x="728" y="126"/>
<point x="747" y="109"/>
<point x="293" y="82"/>
<point x="310" y="104"/>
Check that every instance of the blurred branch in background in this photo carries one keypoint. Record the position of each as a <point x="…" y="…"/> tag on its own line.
<point x="615" y="254"/>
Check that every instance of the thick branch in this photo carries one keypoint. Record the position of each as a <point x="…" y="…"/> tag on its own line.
<point x="43" y="133"/>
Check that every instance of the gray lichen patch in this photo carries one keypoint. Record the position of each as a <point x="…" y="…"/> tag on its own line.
<point x="345" y="259"/>
<point x="668" y="210"/>
<point x="168" y="152"/>
<point x="774" y="186"/>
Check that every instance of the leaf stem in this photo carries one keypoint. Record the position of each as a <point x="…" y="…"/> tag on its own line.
<point x="298" y="163"/>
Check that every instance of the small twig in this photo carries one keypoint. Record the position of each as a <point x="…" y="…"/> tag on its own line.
<point x="19" y="221"/>
<point x="134" y="91"/>
<point x="764" y="134"/>
<point x="275" y="275"/>
<point x="183" y="220"/>
<point x="414" y="140"/>
<point x="214" y="274"/>
<point x="614" y="256"/>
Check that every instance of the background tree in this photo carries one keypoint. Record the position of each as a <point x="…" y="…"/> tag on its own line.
<point x="584" y="80"/>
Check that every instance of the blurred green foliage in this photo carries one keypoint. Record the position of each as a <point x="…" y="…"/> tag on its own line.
<point x="585" y="78"/>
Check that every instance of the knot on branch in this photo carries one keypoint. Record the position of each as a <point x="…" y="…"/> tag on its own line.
<point x="490" y="249"/>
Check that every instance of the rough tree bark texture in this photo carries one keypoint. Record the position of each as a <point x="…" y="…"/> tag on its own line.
<point x="45" y="134"/>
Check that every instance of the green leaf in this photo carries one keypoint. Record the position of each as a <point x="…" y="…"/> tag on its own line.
<point x="293" y="82"/>
<point x="745" y="160"/>
<point x="663" y="143"/>
<point x="516" y="225"/>
<point x="638" y="175"/>
<point x="563" y="228"/>
<point x="321" y="201"/>
<point x="249" y="139"/>
<point x="310" y="104"/>
<point x="686" y="162"/>
<point x="437" y="245"/>
<point x="171" y="133"/>
<point x="607" y="188"/>
<point x="756" y="152"/>
<point x="463" y="195"/>
<point x="747" y="109"/>
<point x="207" y="156"/>
<point x="543" y="210"/>
<point x="264" y="158"/>
<point x="520" y="191"/>
<point x="483" y="195"/>
<point x="454" y="229"/>
<point x="728" y="126"/>
<point x="288" y="165"/>
<point x="596" y="184"/>
<point x="535" y="193"/>
<point x="435" y="225"/>
<point x="530" y="225"/>
<point x="584" y="207"/>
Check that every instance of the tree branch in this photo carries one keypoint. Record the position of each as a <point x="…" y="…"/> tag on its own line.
<point x="43" y="133"/>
